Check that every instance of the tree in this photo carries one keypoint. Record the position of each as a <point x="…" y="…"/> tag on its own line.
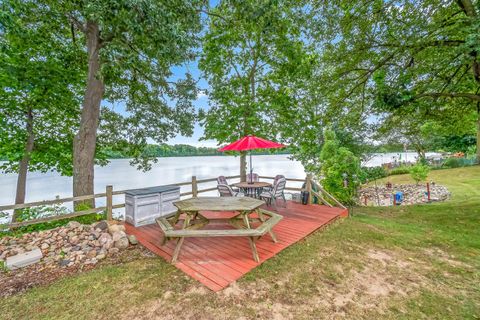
<point x="39" y="102"/>
<point x="251" y="51"/>
<point x="131" y="47"/>
<point x="424" y="132"/>
<point x="400" y="54"/>
<point x="419" y="172"/>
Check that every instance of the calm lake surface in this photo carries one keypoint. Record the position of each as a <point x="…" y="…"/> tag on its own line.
<point x="44" y="186"/>
<point x="119" y="173"/>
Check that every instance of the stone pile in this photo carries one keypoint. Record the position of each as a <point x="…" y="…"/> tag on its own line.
<point x="412" y="194"/>
<point x="71" y="245"/>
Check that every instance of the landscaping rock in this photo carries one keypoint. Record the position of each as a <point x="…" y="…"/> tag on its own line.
<point x="102" y="225"/>
<point x="118" y="235"/>
<point x="23" y="259"/>
<point x="115" y="228"/>
<point x="71" y="245"/>
<point x="64" y="263"/>
<point x="132" y="239"/>
<point x="104" y="238"/>
<point x="412" y="194"/>
<point x="121" y="243"/>
<point x="74" y="224"/>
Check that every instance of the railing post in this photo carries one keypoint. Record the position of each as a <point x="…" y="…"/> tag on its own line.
<point x="309" y="188"/>
<point x="194" y="186"/>
<point x="109" y="192"/>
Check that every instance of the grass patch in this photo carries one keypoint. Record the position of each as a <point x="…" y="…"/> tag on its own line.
<point x="407" y="262"/>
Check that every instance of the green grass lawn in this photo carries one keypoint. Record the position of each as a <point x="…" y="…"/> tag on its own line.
<point x="418" y="262"/>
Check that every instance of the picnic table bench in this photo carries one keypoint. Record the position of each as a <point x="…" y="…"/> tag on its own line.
<point x="241" y="220"/>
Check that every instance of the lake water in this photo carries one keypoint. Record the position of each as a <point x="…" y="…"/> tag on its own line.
<point x="44" y="186"/>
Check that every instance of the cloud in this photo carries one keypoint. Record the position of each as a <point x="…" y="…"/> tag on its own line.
<point x="201" y="94"/>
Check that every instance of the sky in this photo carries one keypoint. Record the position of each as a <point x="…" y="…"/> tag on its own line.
<point x="200" y="103"/>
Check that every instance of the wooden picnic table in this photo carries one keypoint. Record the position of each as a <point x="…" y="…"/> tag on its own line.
<point x="195" y="220"/>
<point x="254" y="188"/>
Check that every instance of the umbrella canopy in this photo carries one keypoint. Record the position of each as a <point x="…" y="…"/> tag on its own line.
<point x="251" y="143"/>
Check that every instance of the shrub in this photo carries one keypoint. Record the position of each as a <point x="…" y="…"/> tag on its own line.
<point x="419" y="172"/>
<point x="452" y="163"/>
<point x="399" y="170"/>
<point x="372" y="173"/>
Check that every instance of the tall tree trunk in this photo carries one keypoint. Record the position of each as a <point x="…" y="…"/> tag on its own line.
<point x="478" y="132"/>
<point x="243" y="166"/>
<point x="84" y="143"/>
<point x="23" y="165"/>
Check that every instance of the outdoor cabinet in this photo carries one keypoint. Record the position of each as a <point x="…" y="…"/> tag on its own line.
<point x="143" y="206"/>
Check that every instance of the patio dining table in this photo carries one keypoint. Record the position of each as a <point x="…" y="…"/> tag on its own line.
<point x="252" y="189"/>
<point x="196" y="218"/>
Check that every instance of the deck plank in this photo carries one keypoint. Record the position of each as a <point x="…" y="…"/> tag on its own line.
<point x="217" y="262"/>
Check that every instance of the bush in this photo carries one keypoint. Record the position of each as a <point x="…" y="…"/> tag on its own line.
<point x="419" y="172"/>
<point x="47" y="211"/>
<point x="372" y="173"/>
<point x="452" y="163"/>
<point x="399" y="170"/>
<point x="458" y="162"/>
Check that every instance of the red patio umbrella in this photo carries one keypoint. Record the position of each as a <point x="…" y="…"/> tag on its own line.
<point x="251" y="142"/>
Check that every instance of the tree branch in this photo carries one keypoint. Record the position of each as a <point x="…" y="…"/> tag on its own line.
<point x="77" y="23"/>
<point x="471" y="96"/>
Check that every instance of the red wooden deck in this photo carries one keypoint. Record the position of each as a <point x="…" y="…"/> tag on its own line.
<point x="217" y="262"/>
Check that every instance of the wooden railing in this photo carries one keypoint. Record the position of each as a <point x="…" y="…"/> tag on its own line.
<point x="310" y="184"/>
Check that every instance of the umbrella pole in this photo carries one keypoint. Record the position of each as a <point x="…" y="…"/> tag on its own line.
<point x="251" y="169"/>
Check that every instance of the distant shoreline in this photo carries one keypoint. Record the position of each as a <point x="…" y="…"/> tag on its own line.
<point x="208" y="155"/>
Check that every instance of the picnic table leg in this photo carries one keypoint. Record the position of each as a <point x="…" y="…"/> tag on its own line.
<point x="180" y="240"/>
<point x="253" y="246"/>
<point x="176" y="217"/>
<point x="262" y="218"/>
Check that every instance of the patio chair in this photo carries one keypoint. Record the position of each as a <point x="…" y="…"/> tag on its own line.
<point x="254" y="177"/>
<point x="226" y="191"/>
<point x="223" y="180"/>
<point x="276" y="193"/>
<point x="275" y="181"/>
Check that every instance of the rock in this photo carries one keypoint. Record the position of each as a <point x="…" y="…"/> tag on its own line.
<point x="74" y="240"/>
<point x="115" y="228"/>
<point x="102" y="225"/>
<point x="87" y="249"/>
<point x="118" y="235"/>
<point x="23" y="259"/>
<point x="100" y="256"/>
<point x="121" y="243"/>
<point x="104" y="238"/>
<point x="90" y="261"/>
<point x="64" y="262"/>
<point x="132" y="239"/>
<point x="74" y="224"/>
<point x="95" y="235"/>
<point x="44" y="246"/>
<point x="113" y="250"/>
<point x="91" y="254"/>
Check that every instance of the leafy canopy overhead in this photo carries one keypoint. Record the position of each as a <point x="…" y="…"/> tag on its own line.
<point x="41" y="81"/>
<point x="140" y="42"/>
<point x="251" y="51"/>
